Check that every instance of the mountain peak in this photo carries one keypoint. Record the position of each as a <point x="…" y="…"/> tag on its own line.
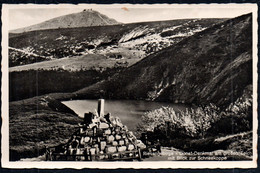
<point x="85" y="18"/>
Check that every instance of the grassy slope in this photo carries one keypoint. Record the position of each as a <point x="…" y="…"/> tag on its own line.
<point x="213" y="65"/>
<point x="27" y="84"/>
<point x="38" y="122"/>
<point x="84" y="62"/>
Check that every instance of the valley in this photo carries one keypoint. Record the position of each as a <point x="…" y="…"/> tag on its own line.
<point x="205" y="64"/>
<point x="199" y="69"/>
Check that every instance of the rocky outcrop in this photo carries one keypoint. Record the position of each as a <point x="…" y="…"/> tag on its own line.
<point x="134" y="34"/>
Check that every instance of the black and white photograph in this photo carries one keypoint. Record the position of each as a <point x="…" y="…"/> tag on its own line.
<point x="122" y="85"/>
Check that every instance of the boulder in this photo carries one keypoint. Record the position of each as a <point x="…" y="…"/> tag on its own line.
<point x="111" y="150"/>
<point x="122" y="148"/>
<point x="110" y="138"/>
<point x="103" y="126"/>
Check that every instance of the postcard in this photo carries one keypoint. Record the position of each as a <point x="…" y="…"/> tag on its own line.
<point x="129" y="86"/>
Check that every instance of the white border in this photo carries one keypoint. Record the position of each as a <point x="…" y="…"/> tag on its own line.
<point x="112" y="165"/>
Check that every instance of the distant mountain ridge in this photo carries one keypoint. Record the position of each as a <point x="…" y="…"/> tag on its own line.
<point x="212" y="66"/>
<point x="85" y="18"/>
<point x="130" y="41"/>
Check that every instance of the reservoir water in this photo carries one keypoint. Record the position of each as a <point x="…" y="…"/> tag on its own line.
<point x="129" y="111"/>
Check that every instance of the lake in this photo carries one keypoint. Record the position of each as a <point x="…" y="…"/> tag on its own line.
<point x="129" y="111"/>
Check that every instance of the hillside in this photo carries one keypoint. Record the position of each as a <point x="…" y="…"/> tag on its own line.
<point x="37" y="123"/>
<point x="214" y="65"/>
<point x="77" y="63"/>
<point x="30" y="83"/>
<point x="85" y="18"/>
<point x="123" y="41"/>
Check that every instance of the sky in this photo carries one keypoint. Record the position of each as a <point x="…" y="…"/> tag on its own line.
<point x="26" y="16"/>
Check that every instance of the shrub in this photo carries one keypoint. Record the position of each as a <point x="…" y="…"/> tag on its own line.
<point x="242" y="107"/>
<point x="204" y="121"/>
<point x="235" y="119"/>
<point x="189" y="123"/>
